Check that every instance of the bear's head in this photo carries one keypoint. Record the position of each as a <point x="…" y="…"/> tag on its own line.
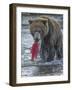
<point x="43" y="25"/>
<point x="38" y="28"/>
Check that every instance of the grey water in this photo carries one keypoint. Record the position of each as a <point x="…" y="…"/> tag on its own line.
<point x="37" y="68"/>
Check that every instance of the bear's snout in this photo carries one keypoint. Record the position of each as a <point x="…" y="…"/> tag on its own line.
<point x="37" y="36"/>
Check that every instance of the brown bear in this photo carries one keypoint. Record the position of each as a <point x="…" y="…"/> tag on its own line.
<point x="47" y="30"/>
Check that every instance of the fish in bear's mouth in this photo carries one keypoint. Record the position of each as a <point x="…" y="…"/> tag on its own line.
<point x="36" y="46"/>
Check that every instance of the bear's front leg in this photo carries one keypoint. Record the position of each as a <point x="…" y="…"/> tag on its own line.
<point x="51" y="54"/>
<point x="42" y="55"/>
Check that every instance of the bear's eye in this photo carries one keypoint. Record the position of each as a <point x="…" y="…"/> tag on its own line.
<point x="38" y="31"/>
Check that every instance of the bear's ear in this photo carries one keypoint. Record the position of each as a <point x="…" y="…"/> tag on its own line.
<point x="30" y="21"/>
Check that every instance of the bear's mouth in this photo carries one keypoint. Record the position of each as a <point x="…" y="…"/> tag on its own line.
<point x="37" y="40"/>
<point x="37" y="36"/>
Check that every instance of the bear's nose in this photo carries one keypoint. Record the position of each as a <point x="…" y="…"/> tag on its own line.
<point x="36" y="39"/>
